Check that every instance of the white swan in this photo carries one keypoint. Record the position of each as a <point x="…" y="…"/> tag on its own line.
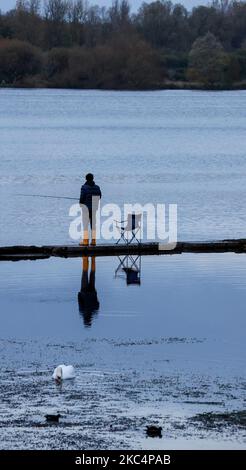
<point x="63" y="372"/>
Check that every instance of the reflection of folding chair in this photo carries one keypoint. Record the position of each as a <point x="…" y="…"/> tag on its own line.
<point x="130" y="267"/>
<point x="133" y="226"/>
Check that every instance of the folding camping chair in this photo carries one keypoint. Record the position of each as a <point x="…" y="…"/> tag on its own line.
<point x="129" y="268"/>
<point x="133" y="226"/>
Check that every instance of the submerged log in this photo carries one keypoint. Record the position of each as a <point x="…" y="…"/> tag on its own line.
<point x="15" y="253"/>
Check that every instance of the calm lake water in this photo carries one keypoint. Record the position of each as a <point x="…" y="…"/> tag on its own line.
<point x="162" y="345"/>
<point x="183" y="147"/>
<point x="167" y="351"/>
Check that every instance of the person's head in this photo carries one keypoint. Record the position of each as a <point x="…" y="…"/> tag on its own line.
<point x="89" y="177"/>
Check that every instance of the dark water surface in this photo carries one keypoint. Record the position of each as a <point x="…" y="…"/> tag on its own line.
<point x="167" y="351"/>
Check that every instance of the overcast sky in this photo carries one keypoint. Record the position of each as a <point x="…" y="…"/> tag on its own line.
<point x="8" y="4"/>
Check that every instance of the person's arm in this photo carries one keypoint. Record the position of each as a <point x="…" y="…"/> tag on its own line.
<point x="82" y="196"/>
<point x="99" y="193"/>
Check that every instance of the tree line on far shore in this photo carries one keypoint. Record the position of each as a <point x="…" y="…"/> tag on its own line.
<point x="73" y="44"/>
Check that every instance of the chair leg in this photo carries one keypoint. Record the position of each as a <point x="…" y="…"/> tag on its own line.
<point x="121" y="263"/>
<point x="133" y="236"/>
<point x="121" y="237"/>
<point x="134" y="262"/>
<point x="138" y="240"/>
<point x="125" y="240"/>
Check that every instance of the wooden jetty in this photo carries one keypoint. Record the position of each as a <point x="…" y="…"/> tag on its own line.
<point x="32" y="252"/>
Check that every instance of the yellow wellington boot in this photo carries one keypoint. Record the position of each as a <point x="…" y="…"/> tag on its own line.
<point x="85" y="241"/>
<point x="94" y="238"/>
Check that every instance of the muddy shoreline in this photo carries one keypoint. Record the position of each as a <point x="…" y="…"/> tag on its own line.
<point x="109" y="407"/>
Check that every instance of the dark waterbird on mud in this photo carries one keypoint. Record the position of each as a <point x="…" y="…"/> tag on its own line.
<point x="53" y="418"/>
<point x="154" y="431"/>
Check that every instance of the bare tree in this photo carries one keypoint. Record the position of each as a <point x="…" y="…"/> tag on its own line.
<point x="77" y="17"/>
<point x="34" y="7"/>
<point x="22" y="5"/>
<point x="119" y="13"/>
<point x="78" y="11"/>
<point x="56" y="28"/>
<point x="56" y="10"/>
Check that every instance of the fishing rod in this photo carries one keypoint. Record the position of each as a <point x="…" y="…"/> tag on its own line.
<point x="46" y="196"/>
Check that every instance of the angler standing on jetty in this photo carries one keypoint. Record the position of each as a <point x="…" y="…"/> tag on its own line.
<point x="90" y="195"/>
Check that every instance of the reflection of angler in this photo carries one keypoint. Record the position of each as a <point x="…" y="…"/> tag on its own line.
<point x="87" y="297"/>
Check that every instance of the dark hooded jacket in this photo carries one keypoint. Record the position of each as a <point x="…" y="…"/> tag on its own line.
<point x="88" y="190"/>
